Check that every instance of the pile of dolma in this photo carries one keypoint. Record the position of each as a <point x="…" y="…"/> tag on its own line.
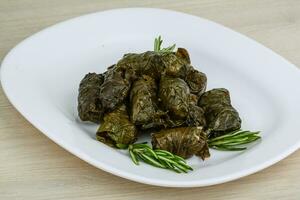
<point x="157" y="93"/>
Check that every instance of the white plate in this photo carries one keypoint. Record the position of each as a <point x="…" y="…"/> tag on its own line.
<point x="40" y="77"/>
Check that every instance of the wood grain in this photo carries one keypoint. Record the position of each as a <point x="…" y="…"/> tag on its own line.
<point x="33" y="167"/>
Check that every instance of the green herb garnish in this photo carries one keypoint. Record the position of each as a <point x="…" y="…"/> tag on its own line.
<point x="233" y="141"/>
<point x="157" y="46"/>
<point x="157" y="158"/>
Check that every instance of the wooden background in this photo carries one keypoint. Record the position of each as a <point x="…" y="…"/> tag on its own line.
<point x="33" y="167"/>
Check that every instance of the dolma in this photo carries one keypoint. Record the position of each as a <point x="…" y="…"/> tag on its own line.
<point x="143" y="101"/>
<point x="173" y="66"/>
<point x="153" y="64"/>
<point x="196" y="116"/>
<point x="171" y="122"/>
<point x="174" y="95"/>
<point x="117" y="130"/>
<point x="193" y="99"/>
<point x="182" y="141"/>
<point x="197" y="81"/>
<point x="183" y="54"/>
<point x="136" y="65"/>
<point x="89" y="104"/>
<point x="220" y="115"/>
<point x="114" y="89"/>
<point x="215" y="96"/>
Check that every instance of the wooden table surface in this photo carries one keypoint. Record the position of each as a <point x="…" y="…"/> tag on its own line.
<point x="34" y="167"/>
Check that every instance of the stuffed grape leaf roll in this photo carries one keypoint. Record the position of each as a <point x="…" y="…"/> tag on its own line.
<point x="154" y="64"/>
<point x="89" y="104"/>
<point x="215" y="96"/>
<point x="196" y="116"/>
<point x="182" y="141"/>
<point x="173" y="65"/>
<point x="116" y="129"/>
<point x="147" y="63"/>
<point x="174" y="95"/>
<point x="220" y="115"/>
<point x="114" y="89"/>
<point x="144" y="105"/>
<point x="183" y="54"/>
<point x="179" y="103"/>
<point x="197" y="81"/>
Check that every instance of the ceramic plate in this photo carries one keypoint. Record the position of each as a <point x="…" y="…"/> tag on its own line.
<point x="40" y="77"/>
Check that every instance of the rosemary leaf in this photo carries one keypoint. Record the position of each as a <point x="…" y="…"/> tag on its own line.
<point x="151" y="161"/>
<point x="180" y="167"/>
<point x="227" y="135"/>
<point x="133" y="158"/>
<point x="179" y="158"/>
<point x="164" y="152"/>
<point x="176" y="168"/>
<point x="157" y="46"/>
<point x="166" y="159"/>
<point x="225" y="148"/>
<point x="152" y="153"/>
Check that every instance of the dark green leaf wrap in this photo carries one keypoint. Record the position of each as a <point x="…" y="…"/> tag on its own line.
<point x="174" y="95"/>
<point x="221" y="117"/>
<point x="182" y="141"/>
<point x="183" y="54"/>
<point x="116" y="129"/>
<point x="153" y="64"/>
<point x="197" y="81"/>
<point x="173" y="66"/>
<point x="196" y="116"/>
<point x="114" y="89"/>
<point x="89" y="105"/>
<point x="136" y="65"/>
<point x="143" y="103"/>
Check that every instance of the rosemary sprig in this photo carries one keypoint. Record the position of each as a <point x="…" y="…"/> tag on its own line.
<point x="157" y="158"/>
<point x="233" y="141"/>
<point x="157" y="46"/>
